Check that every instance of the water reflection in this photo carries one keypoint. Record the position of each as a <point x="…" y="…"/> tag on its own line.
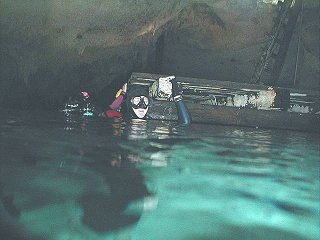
<point x="74" y="123"/>
<point x="117" y="126"/>
<point x="142" y="129"/>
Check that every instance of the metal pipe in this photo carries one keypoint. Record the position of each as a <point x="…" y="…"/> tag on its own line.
<point x="298" y="48"/>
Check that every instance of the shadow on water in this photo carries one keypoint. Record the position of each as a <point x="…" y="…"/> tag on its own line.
<point x="105" y="211"/>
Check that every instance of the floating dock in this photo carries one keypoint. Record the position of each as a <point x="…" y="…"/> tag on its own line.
<point x="241" y="104"/>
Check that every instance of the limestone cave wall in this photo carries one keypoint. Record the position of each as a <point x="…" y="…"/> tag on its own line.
<point x="51" y="49"/>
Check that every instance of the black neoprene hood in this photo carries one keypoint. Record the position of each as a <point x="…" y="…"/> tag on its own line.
<point x="135" y="91"/>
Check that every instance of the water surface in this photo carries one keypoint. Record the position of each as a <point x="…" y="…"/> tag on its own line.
<point x="85" y="178"/>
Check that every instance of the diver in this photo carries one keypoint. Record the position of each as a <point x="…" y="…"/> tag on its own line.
<point x="80" y="104"/>
<point x="137" y="100"/>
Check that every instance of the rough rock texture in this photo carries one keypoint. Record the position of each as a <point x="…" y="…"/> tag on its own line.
<point x="53" y="48"/>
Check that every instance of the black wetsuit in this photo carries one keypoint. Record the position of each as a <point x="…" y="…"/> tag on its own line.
<point x="80" y="105"/>
<point x="182" y="110"/>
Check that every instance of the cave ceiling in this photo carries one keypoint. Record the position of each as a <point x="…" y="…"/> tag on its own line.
<point x="96" y="45"/>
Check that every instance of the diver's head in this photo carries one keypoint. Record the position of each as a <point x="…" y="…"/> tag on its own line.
<point x="85" y="95"/>
<point x="138" y="101"/>
<point x="140" y="105"/>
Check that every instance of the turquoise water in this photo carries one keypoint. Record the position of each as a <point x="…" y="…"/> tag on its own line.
<point x="89" y="178"/>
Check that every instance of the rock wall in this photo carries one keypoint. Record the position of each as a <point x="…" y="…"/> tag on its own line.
<point x="53" y="48"/>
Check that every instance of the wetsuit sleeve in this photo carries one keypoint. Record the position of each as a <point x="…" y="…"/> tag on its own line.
<point x="113" y="107"/>
<point x="117" y="102"/>
<point x="183" y="112"/>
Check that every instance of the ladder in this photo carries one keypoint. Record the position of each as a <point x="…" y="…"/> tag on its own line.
<point x="268" y="68"/>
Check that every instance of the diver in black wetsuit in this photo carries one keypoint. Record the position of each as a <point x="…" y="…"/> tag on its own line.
<point x="138" y="101"/>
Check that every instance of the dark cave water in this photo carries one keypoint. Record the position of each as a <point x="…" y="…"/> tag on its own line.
<point x="87" y="178"/>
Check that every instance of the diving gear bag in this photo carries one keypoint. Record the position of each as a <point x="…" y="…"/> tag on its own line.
<point x="162" y="89"/>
